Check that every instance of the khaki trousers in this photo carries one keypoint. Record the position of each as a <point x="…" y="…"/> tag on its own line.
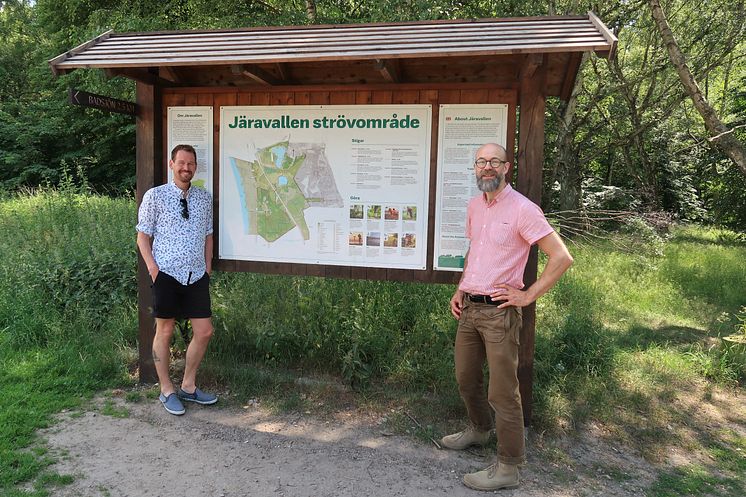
<point x="486" y="332"/>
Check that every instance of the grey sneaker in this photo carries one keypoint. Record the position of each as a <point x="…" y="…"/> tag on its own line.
<point x="172" y="404"/>
<point x="198" y="396"/>
<point x="466" y="438"/>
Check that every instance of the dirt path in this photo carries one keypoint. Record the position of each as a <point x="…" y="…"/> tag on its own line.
<point x="229" y="452"/>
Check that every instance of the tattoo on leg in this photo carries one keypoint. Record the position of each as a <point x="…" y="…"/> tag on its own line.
<point x="155" y="357"/>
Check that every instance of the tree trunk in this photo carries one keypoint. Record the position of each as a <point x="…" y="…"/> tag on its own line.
<point x="721" y="136"/>
<point x="643" y="170"/>
<point x="311" y="11"/>
<point x="569" y="167"/>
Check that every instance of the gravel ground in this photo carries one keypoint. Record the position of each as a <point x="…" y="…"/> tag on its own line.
<point x="229" y="452"/>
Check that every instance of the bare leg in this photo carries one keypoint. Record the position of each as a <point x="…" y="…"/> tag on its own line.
<point x="202" y="329"/>
<point x="164" y="330"/>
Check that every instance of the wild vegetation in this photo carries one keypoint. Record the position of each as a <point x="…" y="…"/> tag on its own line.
<point x="629" y="138"/>
<point x="626" y="339"/>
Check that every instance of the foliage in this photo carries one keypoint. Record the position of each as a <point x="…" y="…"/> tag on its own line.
<point x="619" y="336"/>
<point x="632" y="129"/>
<point x="632" y="126"/>
<point x="66" y="315"/>
<point x="335" y="326"/>
<point x="724" y="187"/>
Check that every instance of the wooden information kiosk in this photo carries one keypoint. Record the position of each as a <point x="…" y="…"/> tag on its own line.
<point x="427" y="66"/>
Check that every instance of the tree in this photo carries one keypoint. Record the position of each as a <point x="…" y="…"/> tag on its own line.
<point x="311" y="11"/>
<point x="722" y="137"/>
<point x="632" y="124"/>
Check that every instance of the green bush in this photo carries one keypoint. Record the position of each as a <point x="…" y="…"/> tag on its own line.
<point x="67" y="313"/>
<point x="359" y="330"/>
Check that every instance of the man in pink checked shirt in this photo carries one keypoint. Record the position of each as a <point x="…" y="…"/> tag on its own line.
<point x="501" y="225"/>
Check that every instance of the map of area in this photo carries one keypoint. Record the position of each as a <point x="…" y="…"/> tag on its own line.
<point x="282" y="182"/>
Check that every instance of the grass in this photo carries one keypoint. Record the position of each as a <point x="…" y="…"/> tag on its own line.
<point x="61" y="327"/>
<point x="111" y="409"/>
<point x="629" y="339"/>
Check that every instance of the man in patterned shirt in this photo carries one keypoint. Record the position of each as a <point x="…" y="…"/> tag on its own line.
<point x="174" y="235"/>
<point x="501" y="225"/>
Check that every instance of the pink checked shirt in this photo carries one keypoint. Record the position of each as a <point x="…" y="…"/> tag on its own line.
<point x="501" y="235"/>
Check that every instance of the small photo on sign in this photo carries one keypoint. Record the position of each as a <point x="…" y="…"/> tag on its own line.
<point x="391" y="240"/>
<point x="392" y="213"/>
<point x="356" y="211"/>
<point x="374" y="212"/>
<point x="410" y="213"/>
<point x="355" y="239"/>
<point x="409" y="240"/>
<point x="373" y="239"/>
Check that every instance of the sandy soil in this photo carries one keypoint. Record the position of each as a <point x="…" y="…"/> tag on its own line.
<point x="229" y="452"/>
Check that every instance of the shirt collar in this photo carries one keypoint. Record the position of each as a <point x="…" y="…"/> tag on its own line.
<point x="504" y="193"/>
<point x="179" y="190"/>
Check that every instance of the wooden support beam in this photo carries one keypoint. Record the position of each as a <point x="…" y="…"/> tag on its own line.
<point x="532" y="62"/>
<point x="571" y="74"/>
<point x="256" y="73"/>
<point x="169" y="73"/>
<point x="532" y="100"/>
<point x="141" y="75"/>
<point x="389" y="69"/>
<point x="149" y="171"/>
<point x="283" y="70"/>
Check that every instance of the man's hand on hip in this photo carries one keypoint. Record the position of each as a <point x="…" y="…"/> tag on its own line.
<point x="512" y="296"/>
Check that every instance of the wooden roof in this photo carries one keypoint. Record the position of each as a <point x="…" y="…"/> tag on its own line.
<point x="360" y="53"/>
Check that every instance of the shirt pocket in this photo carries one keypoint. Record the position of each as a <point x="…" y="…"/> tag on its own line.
<point x="502" y="234"/>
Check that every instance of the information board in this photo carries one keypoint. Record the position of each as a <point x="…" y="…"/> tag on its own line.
<point x="462" y="129"/>
<point x="337" y="185"/>
<point x="193" y="126"/>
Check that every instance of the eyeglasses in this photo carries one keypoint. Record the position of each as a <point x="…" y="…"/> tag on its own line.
<point x="495" y="163"/>
<point x="184" y="208"/>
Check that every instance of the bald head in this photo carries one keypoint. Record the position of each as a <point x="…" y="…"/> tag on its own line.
<point x="491" y="150"/>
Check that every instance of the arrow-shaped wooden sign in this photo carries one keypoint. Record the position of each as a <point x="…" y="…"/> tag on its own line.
<point x="85" y="99"/>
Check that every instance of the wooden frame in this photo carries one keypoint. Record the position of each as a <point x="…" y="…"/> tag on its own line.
<point x="382" y="94"/>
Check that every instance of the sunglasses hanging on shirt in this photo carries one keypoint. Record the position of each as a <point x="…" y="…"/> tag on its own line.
<point x="184" y="208"/>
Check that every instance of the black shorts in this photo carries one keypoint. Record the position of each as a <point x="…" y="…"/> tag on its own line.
<point x="171" y="299"/>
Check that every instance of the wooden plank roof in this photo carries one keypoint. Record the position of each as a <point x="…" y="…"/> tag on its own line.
<point x="349" y="42"/>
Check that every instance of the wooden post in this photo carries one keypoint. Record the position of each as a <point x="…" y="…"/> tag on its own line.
<point x="530" y="162"/>
<point x="149" y="173"/>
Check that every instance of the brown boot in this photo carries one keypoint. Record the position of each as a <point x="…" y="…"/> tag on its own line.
<point x="495" y="477"/>
<point x="466" y="438"/>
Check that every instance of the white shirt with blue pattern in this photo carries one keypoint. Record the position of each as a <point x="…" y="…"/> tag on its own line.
<point x="178" y="243"/>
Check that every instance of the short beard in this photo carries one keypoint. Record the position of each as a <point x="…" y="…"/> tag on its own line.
<point x="490" y="185"/>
